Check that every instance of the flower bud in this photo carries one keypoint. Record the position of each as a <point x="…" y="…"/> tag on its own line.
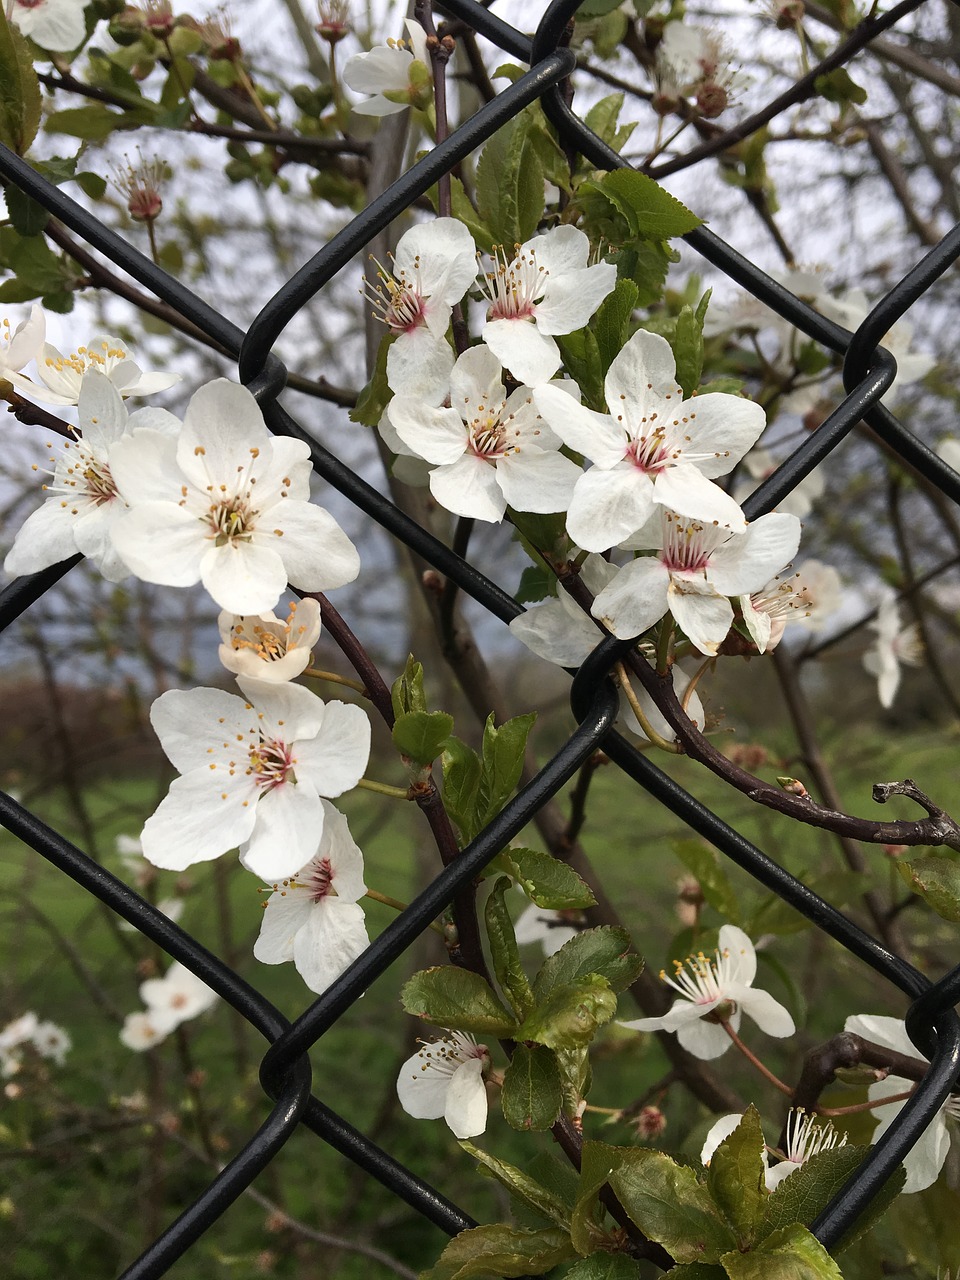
<point x="650" y="1123"/>
<point x="712" y="99"/>
<point x="334" y="22"/>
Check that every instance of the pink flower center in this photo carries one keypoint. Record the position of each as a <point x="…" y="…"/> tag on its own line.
<point x="272" y="764"/>
<point x="320" y="883"/>
<point x="399" y="301"/>
<point x="514" y="287"/>
<point x="647" y="453"/>
<point x="686" y="549"/>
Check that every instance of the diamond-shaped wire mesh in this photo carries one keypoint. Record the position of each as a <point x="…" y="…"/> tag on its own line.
<point x="868" y="373"/>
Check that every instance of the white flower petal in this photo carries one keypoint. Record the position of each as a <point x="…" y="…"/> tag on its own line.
<point x="609" y="506"/>
<point x="332" y="937"/>
<point x="465" y="1109"/>
<point x="468" y="487"/>
<point x="532" y="357"/>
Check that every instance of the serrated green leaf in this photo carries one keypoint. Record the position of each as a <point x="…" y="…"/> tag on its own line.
<point x="807" y="1192"/>
<point x="605" y="1266"/>
<point x="698" y="1271"/>
<point x="603" y="119"/>
<point x="463" y="211"/>
<point x="611" y="324"/>
<point x="668" y="1204"/>
<point x="407" y="692"/>
<point x="598" y="1160"/>
<point x="522" y="1185"/>
<point x="61" y="301"/>
<point x="791" y="1253"/>
<point x="34" y="263"/>
<point x="646" y="263"/>
<point x="178" y="83"/>
<point x="501" y="757"/>
<point x="19" y="90"/>
<point x="875" y="1211"/>
<point x="570" y="1015"/>
<point x="735" y="1179"/>
<point x="27" y="216"/>
<point x="581" y="358"/>
<point x="536" y="583"/>
<point x="510" y="183"/>
<point x="704" y="863"/>
<point x="499" y="1250"/>
<point x="504" y="951"/>
<point x="422" y="734"/>
<point x="92" y="184"/>
<point x="461" y="786"/>
<point x="376" y="395"/>
<point x="688" y="350"/>
<point x="606" y="950"/>
<point x="652" y="212"/>
<point x="937" y="880"/>
<point x="532" y="1093"/>
<point x="546" y="880"/>
<point x="457" y="999"/>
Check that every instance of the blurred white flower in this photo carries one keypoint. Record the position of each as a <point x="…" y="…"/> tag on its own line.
<point x="23" y="344"/>
<point x="760" y="463"/>
<point x="179" y="995"/>
<point x="807" y="597"/>
<point x="894" y="646"/>
<point x="722" y="985"/>
<point x="852" y="309"/>
<point x="445" y="1078"/>
<point x="926" y="1157"/>
<point x="262" y="646"/>
<point x="63" y="376"/>
<point x="146" y="1029"/>
<point x="314" y="918"/>
<point x="51" y="1041"/>
<point x="57" y="25"/>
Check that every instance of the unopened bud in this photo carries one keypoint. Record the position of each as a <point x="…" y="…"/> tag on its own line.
<point x="159" y="18"/>
<point x="712" y="100"/>
<point x="650" y="1123"/>
<point x="789" y="13"/>
<point x="794" y="787"/>
<point x="334" y="22"/>
<point x="664" y="104"/>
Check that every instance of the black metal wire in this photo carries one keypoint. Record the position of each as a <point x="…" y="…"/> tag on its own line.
<point x="868" y="373"/>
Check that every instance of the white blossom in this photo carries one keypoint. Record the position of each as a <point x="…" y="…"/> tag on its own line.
<point x="760" y="463"/>
<point x="179" y="995"/>
<point x="63" y="376"/>
<point x="807" y="1136"/>
<point x="83" y="501"/>
<point x="807" y="596"/>
<point x="696" y="567"/>
<point x="852" y="309"/>
<point x="654" y="447"/>
<point x="926" y="1157"/>
<point x="445" y="1078"/>
<point x="491" y="451"/>
<point x="23" y="344"/>
<point x="253" y="771"/>
<point x="434" y="266"/>
<point x="264" y="647"/>
<point x="227" y="505"/>
<point x="57" y="25"/>
<point x="388" y="69"/>
<point x="145" y="1029"/>
<point x="895" y="646"/>
<point x="313" y="917"/>
<point x="545" y="289"/>
<point x="722" y="985"/>
<point x="51" y="1041"/>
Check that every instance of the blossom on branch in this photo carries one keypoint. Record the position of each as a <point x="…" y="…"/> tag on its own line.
<point x="313" y="917"/>
<point x="695" y="568"/>
<point x="397" y="74"/>
<point x="546" y="288"/>
<point x="264" y="647"/>
<point x="713" y="991"/>
<point x="179" y="995"/>
<point x="253" y="771"/>
<point x="492" y="451"/>
<point x="23" y="344"/>
<point x="807" y="596"/>
<point x="445" y="1079"/>
<point x="894" y="646"/>
<point x="57" y="25"/>
<point x="654" y="447"/>
<point x="434" y="266"/>
<point x="807" y="1136"/>
<point x="227" y="505"/>
<point x="925" y="1159"/>
<point x="62" y="377"/>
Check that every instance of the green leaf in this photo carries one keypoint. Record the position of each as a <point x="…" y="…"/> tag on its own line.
<point x="646" y="262"/>
<point x="510" y="183"/>
<point x="407" y="693"/>
<point x="582" y="360"/>
<point x="569" y="1016"/>
<point x="458" y="999"/>
<point x="668" y="1204"/>
<point x="178" y="83"/>
<point x="938" y="881"/>
<point x="596" y="8"/>
<point x="93" y="123"/>
<point x="791" y="1253"/>
<point x="19" y="90"/>
<point x="735" y="1178"/>
<point x="504" y="951"/>
<point x="502" y="754"/>
<point x="464" y="212"/>
<point x="605" y="1266"/>
<point x="839" y="86"/>
<point x="704" y="863"/>
<point x="421" y="734"/>
<point x="499" y="1250"/>
<point x="546" y="880"/>
<point x="688" y="350"/>
<point x="27" y="216"/>
<point x="461" y="786"/>
<point x="376" y="395"/>
<point x="698" y="1271"/>
<point x="522" y="1185"/>
<point x="598" y="1160"/>
<point x="611" y="324"/>
<point x="606" y="950"/>
<point x="532" y="1092"/>
<point x="651" y="212"/>
<point x="33" y="262"/>
<point x="878" y="1207"/>
<point x="808" y="1191"/>
<point x="603" y="119"/>
<point x="92" y="184"/>
<point x="536" y="583"/>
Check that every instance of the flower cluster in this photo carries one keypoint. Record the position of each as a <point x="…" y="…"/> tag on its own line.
<point x="177" y="997"/>
<point x="46" y="1039"/>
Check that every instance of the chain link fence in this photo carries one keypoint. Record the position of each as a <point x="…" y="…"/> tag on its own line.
<point x="868" y="372"/>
